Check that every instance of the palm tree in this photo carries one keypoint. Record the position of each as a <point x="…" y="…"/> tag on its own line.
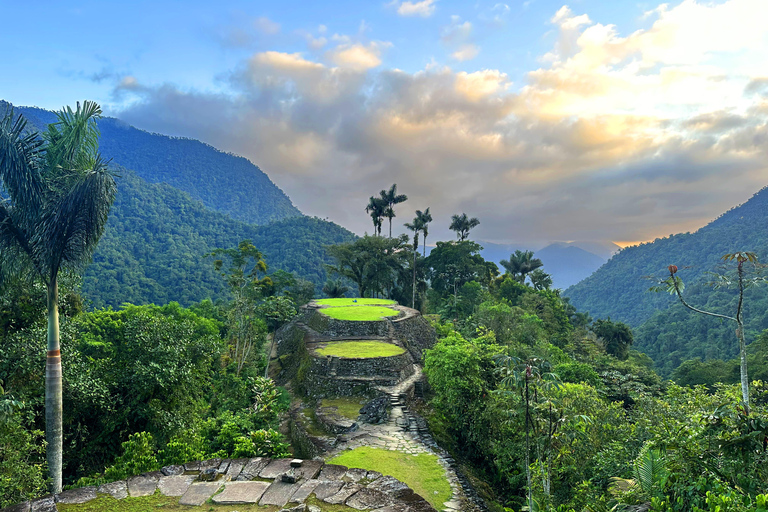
<point x="461" y="224"/>
<point x="424" y="219"/>
<point x="58" y="194"/>
<point x="520" y="264"/>
<point x="416" y="226"/>
<point x="376" y="207"/>
<point x="390" y="198"/>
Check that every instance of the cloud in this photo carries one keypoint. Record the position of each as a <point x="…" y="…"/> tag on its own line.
<point x="425" y="8"/>
<point x="458" y="36"/>
<point x="496" y="15"/>
<point x="466" y="52"/>
<point x="614" y="136"/>
<point x="266" y="26"/>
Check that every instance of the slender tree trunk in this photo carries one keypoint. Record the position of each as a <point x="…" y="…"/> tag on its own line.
<point x="53" y="402"/>
<point x="528" y="446"/>
<point x="742" y="343"/>
<point x="424" y="249"/>
<point x="415" y="250"/>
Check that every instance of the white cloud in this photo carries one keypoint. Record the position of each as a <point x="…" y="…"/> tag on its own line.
<point x="266" y="26"/>
<point x="357" y="56"/>
<point x="425" y="8"/>
<point x="466" y="52"/>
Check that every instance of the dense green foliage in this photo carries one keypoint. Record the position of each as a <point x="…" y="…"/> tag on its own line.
<point x="664" y="329"/>
<point x="156" y="238"/>
<point x="221" y="181"/>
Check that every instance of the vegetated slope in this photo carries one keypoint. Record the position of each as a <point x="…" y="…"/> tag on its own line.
<point x="665" y="330"/>
<point x="568" y="264"/>
<point x="222" y="181"/>
<point x="153" y="248"/>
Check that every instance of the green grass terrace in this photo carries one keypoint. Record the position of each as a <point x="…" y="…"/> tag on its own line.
<point x="354" y="301"/>
<point x="360" y="349"/>
<point x="359" y="314"/>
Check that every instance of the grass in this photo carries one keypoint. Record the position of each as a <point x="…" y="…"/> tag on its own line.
<point x="421" y="472"/>
<point x="359" y="314"/>
<point x="360" y="349"/>
<point x="357" y="301"/>
<point x="347" y="407"/>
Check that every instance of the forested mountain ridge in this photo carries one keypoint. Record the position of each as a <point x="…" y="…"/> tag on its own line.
<point x="221" y="181"/>
<point x="154" y="245"/>
<point x="664" y="329"/>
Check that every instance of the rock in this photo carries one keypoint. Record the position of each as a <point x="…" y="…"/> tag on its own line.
<point x="210" y="464"/>
<point x="77" y="496"/>
<point x="289" y="477"/>
<point x="367" y="498"/>
<point x="192" y="466"/>
<point x="142" y="486"/>
<point x="117" y="490"/>
<point x="305" y="489"/>
<point x="309" y="469"/>
<point x="198" y="493"/>
<point x="344" y="494"/>
<point x="208" y="474"/>
<point x="314" y="508"/>
<point x="279" y="493"/>
<point x="235" y="467"/>
<point x="45" y="504"/>
<point x="328" y="488"/>
<point x="275" y="468"/>
<point x="239" y="493"/>
<point x="355" y="474"/>
<point x="298" y="508"/>
<point x="375" y="411"/>
<point x="253" y="468"/>
<point x="296" y="463"/>
<point x="372" y="476"/>
<point x="332" y="472"/>
<point x="175" y="485"/>
<point x="21" y="507"/>
<point x="172" y="470"/>
<point x="391" y="486"/>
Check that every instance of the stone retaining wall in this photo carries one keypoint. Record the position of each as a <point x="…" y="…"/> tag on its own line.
<point x="285" y="483"/>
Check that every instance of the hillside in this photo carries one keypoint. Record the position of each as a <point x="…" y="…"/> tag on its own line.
<point x="153" y="247"/>
<point x="568" y="264"/>
<point x="223" y="182"/>
<point x="670" y="335"/>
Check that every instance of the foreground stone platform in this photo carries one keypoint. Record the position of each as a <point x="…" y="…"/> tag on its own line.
<point x="286" y="483"/>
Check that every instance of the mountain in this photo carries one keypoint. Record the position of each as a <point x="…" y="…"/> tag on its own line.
<point x="153" y="247"/>
<point x="221" y="181"/>
<point x="567" y="262"/>
<point x="664" y="329"/>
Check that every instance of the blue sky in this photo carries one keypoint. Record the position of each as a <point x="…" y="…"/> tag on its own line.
<point x="616" y="120"/>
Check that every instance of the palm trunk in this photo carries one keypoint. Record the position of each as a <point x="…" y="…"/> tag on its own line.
<point x="528" y="446"/>
<point x="53" y="402"/>
<point x="742" y="343"/>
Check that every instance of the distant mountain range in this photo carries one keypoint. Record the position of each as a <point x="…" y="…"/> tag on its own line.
<point x="179" y="199"/>
<point x="567" y="262"/>
<point x="664" y="329"/>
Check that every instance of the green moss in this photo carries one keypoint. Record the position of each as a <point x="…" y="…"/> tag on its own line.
<point x="327" y="507"/>
<point x="352" y="302"/>
<point x="358" y="313"/>
<point x="360" y="349"/>
<point x="347" y="407"/>
<point x="421" y="472"/>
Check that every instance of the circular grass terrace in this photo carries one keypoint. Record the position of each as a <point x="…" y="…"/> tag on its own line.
<point x="360" y="349"/>
<point x="359" y="314"/>
<point x="354" y="301"/>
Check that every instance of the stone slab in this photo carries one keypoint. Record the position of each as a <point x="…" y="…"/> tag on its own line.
<point x="391" y="486"/>
<point x="77" y="496"/>
<point x="237" y="493"/>
<point x="395" y="507"/>
<point x="366" y="499"/>
<point x="198" y="493"/>
<point x="278" y="493"/>
<point x="172" y="470"/>
<point x="253" y="468"/>
<point x="344" y="494"/>
<point x="20" y="507"/>
<point x="328" y="488"/>
<point x="141" y="486"/>
<point x="306" y="488"/>
<point x="373" y="476"/>
<point x="309" y="469"/>
<point x="332" y="472"/>
<point x="235" y="467"/>
<point x="355" y="475"/>
<point x="297" y="508"/>
<point x="175" y="485"/>
<point x="210" y="464"/>
<point x="192" y="466"/>
<point x="275" y="468"/>
<point x="117" y="490"/>
<point x="44" y="504"/>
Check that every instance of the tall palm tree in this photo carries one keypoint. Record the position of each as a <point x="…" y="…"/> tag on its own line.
<point x="58" y="194"/>
<point x="376" y="207"/>
<point x="520" y="264"/>
<point x="415" y="226"/>
<point x="390" y="198"/>
<point x="424" y="219"/>
<point x="461" y="224"/>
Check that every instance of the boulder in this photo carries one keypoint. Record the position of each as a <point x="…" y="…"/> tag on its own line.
<point x="375" y="411"/>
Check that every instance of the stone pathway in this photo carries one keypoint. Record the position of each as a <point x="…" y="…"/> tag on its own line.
<point x="407" y="432"/>
<point x="285" y="483"/>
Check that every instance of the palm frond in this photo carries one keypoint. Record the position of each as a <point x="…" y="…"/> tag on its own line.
<point x="20" y="159"/>
<point x="14" y="246"/>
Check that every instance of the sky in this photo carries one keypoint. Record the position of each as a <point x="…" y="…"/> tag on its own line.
<point x="591" y="120"/>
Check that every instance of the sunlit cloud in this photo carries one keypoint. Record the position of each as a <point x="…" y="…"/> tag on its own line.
<point x="425" y="8"/>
